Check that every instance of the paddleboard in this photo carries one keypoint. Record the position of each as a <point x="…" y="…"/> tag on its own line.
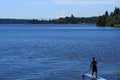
<point x="94" y="77"/>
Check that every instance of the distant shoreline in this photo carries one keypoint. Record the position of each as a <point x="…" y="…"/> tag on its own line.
<point x="65" y="20"/>
<point x="108" y="19"/>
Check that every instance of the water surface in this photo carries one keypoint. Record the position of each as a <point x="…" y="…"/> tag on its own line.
<point x="57" y="52"/>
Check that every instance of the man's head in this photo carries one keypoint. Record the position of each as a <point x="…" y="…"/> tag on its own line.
<point x="93" y="58"/>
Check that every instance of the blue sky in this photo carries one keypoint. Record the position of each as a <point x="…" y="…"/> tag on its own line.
<point x="49" y="9"/>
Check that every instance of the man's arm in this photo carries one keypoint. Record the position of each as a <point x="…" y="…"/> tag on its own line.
<point x="90" y="65"/>
<point x="96" y="62"/>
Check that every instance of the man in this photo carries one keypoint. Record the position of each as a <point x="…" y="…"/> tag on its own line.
<point x="93" y="65"/>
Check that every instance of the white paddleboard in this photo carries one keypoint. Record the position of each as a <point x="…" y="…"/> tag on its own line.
<point x="94" y="77"/>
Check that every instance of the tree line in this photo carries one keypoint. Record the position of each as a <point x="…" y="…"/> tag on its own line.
<point x="61" y="20"/>
<point x="109" y="19"/>
<point x="66" y="20"/>
<point x="13" y="21"/>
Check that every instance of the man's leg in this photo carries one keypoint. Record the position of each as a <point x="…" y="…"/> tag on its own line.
<point x="96" y="73"/>
<point x="92" y="72"/>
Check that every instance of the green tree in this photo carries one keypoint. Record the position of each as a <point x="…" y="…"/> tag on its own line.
<point x="109" y="20"/>
<point x="106" y="13"/>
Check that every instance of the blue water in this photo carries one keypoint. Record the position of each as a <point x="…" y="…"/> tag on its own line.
<point x="57" y="52"/>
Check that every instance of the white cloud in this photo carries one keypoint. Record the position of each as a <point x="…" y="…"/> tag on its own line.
<point x="74" y="2"/>
<point x="96" y="2"/>
<point x="84" y="2"/>
<point x="38" y="3"/>
<point x="59" y="14"/>
<point x="68" y="2"/>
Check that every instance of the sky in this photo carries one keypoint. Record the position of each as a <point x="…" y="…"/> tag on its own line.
<point x="51" y="9"/>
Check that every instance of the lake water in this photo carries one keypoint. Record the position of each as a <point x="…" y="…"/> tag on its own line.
<point x="57" y="52"/>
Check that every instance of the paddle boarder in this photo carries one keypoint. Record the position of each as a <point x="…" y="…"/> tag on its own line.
<point x="93" y="66"/>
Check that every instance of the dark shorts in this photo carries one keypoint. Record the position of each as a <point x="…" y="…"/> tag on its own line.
<point x="94" y="69"/>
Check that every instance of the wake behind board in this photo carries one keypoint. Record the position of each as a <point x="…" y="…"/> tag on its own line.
<point x="94" y="77"/>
